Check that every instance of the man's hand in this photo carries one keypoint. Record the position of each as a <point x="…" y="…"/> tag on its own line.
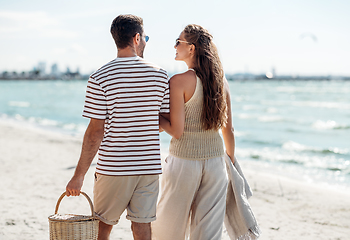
<point x="74" y="186"/>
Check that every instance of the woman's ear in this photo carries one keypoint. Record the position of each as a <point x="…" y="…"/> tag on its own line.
<point x="192" y="48"/>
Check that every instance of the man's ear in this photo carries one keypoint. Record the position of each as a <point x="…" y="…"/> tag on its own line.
<point x="137" y="39"/>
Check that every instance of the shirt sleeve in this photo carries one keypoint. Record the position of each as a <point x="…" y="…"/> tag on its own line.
<point x="95" y="101"/>
<point x="165" y="107"/>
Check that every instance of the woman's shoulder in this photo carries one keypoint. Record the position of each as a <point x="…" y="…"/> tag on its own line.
<point x="184" y="77"/>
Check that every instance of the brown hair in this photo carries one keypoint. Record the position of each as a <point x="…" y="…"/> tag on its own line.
<point x="124" y="28"/>
<point x="209" y="69"/>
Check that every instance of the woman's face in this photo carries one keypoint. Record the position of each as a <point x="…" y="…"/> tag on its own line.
<point x="183" y="48"/>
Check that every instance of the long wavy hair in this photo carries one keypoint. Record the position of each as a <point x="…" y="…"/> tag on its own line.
<point x="209" y="69"/>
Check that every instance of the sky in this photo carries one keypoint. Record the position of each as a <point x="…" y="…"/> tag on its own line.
<point x="299" y="37"/>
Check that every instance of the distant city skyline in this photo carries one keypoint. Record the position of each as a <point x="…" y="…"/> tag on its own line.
<point x="39" y="72"/>
<point x="258" y="36"/>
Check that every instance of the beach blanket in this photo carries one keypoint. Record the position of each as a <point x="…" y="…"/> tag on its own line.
<point x="239" y="220"/>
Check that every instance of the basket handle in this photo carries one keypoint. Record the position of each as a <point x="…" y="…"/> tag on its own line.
<point x="85" y="195"/>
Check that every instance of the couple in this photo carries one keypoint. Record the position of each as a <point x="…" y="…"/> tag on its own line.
<point x="126" y="100"/>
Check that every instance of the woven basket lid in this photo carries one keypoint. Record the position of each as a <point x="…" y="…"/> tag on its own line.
<point x="70" y="218"/>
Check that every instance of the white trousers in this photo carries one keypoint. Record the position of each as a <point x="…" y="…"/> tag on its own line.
<point x="192" y="191"/>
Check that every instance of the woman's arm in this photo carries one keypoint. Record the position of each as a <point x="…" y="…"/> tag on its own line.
<point x="227" y="130"/>
<point x="175" y="126"/>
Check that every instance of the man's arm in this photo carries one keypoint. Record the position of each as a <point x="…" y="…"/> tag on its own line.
<point x="92" y="140"/>
<point x="166" y="116"/>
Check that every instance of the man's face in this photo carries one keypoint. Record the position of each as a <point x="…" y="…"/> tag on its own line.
<point x="141" y="46"/>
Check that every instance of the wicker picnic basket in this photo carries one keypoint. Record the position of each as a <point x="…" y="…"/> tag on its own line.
<point x="71" y="226"/>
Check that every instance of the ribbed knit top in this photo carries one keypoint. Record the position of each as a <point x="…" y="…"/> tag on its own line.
<point x="196" y="143"/>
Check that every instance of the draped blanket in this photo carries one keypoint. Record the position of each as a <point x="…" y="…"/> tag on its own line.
<point x="239" y="220"/>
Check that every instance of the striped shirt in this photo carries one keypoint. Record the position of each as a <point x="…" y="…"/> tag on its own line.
<point x="129" y="93"/>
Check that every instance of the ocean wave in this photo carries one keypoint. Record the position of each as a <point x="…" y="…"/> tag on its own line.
<point x="312" y="89"/>
<point x="49" y="124"/>
<point x="271" y="110"/>
<point x="329" y="124"/>
<point x="319" y="104"/>
<point x="261" y="118"/>
<point x="264" y="118"/>
<point x="275" y="157"/>
<point x="250" y="107"/>
<point x="259" y="142"/>
<point x="304" y="104"/>
<point x="272" y="118"/>
<point x="19" y="104"/>
<point x="245" y="116"/>
<point x="297" y="147"/>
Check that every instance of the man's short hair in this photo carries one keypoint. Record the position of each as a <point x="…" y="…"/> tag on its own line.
<point x="124" y="28"/>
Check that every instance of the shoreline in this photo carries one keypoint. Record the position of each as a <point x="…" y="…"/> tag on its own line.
<point x="37" y="164"/>
<point x="78" y="136"/>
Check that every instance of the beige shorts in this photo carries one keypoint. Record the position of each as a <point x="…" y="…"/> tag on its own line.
<point x="137" y="194"/>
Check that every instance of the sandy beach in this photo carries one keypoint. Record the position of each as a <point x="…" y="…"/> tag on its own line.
<point x="36" y="166"/>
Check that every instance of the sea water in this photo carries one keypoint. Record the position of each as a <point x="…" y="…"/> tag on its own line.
<point x="298" y="129"/>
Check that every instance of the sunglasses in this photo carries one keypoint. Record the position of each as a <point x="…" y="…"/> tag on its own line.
<point x="178" y="42"/>
<point x="146" y="37"/>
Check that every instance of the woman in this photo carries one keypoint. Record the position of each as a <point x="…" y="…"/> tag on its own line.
<point x="194" y="181"/>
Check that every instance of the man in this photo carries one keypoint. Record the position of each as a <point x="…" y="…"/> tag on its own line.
<point x="123" y="101"/>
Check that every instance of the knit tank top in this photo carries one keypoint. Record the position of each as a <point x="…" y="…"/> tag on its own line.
<point x="196" y="143"/>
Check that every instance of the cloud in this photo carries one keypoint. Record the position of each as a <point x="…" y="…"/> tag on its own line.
<point x="26" y="20"/>
<point x="32" y="25"/>
<point x="78" y="49"/>
<point x="71" y="49"/>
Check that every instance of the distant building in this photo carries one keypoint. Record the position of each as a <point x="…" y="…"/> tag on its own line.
<point x="41" y="68"/>
<point x="54" y="70"/>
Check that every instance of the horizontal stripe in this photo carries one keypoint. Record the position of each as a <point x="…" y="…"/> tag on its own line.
<point x="94" y="103"/>
<point x="141" y="138"/>
<point x="120" y="66"/>
<point x="129" y="173"/>
<point x="87" y="115"/>
<point x="94" y="93"/>
<point x="142" y="83"/>
<point x="95" y="97"/>
<point x="131" y="144"/>
<point x="121" y="156"/>
<point x="128" y="164"/>
<point x="141" y="93"/>
<point x="95" y="112"/>
<point x="138" y="116"/>
<point x="121" y="101"/>
<point x="133" y="168"/>
<point x="121" y="174"/>
<point x="130" y="93"/>
<point x="135" y="109"/>
<point x="94" y="107"/>
<point x="141" y="128"/>
<point x="125" y="155"/>
<point x="105" y="155"/>
<point x="135" y="119"/>
<point x="143" y="149"/>
<point x="133" y="132"/>
<point x="126" y="77"/>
